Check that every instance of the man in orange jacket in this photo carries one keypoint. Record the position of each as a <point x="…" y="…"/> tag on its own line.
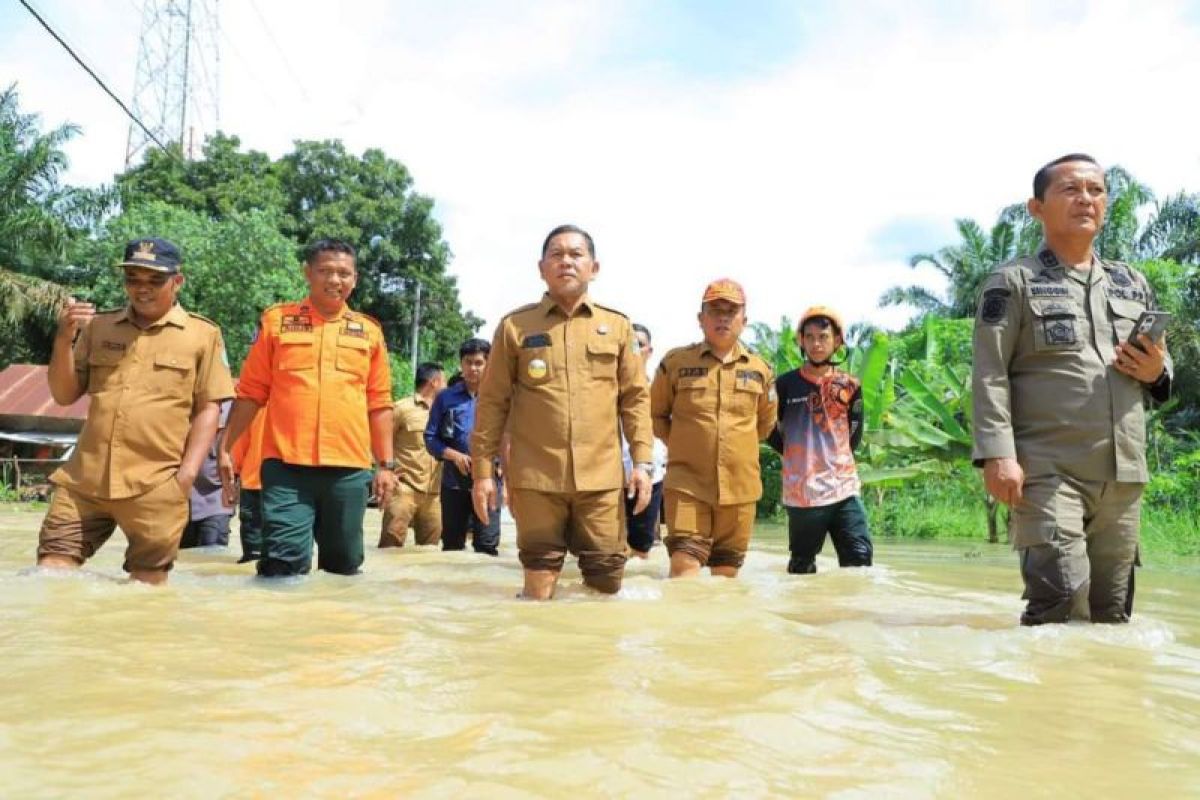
<point x="321" y="371"/>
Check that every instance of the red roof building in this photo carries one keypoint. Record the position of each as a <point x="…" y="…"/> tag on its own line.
<point x="26" y="404"/>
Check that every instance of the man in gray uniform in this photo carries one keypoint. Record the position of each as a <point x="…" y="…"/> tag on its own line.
<point x="1058" y="403"/>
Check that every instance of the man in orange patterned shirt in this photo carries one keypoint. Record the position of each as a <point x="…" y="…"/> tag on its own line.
<point x="321" y="371"/>
<point x="820" y="424"/>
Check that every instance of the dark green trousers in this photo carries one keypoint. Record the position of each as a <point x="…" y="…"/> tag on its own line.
<point x="300" y="504"/>
<point x="250" y="524"/>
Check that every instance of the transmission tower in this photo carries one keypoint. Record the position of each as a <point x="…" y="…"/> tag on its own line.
<point x="176" y="90"/>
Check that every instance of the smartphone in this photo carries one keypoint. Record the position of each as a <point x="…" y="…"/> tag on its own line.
<point x="1151" y="323"/>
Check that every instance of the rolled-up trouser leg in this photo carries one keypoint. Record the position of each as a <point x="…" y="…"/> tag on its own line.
<point x="732" y="527"/>
<point x="542" y="519"/>
<point x="1048" y="532"/>
<point x="342" y="504"/>
<point x="689" y="525"/>
<point x="596" y="534"/>
<point x="1112" y="536"/>
<point x="850" y="534"/>
<point x="289" y="509"/>
<point x="250" y="524"/>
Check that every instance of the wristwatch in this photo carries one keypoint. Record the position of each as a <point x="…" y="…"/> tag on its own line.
<point x="646" y="467"/>
<point x="390" y="464"/>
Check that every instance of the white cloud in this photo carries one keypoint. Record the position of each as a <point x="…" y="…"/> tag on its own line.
<point x="511" y="118"/>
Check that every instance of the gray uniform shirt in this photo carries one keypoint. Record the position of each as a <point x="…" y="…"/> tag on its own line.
<point x="1046" y="391"/>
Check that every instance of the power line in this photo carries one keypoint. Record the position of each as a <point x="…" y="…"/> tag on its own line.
<point x="282" y="54"/>
<point x="94" y="76"/>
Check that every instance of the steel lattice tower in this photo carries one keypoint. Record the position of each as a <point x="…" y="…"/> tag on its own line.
<point x="176" y="90"/>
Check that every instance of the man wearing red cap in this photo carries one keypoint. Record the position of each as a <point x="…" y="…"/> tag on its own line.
<point x="712" y="403"/>
<point x="820" y="424"/>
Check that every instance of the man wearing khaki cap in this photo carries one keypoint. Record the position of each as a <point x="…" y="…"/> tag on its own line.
<point x="712" y="403"/>
<point x="563" y="373"/>
<point x="156" y="375"/>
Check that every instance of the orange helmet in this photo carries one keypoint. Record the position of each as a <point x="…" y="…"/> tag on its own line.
<point x="822" y="311"/>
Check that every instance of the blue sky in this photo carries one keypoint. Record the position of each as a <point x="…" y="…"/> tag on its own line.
<point x="805" y="148"/>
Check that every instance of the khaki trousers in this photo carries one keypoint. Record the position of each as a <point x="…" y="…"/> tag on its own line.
<point x="1077" y="542"/>
<point x="409" y="508"/>
<point x="589" y="524"/>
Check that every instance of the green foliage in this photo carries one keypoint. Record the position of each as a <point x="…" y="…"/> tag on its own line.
<point x="233" y="268"/>
<point x="403" y="380"/>
<point x="321" y="190"/>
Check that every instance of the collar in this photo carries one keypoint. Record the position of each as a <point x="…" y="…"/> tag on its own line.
<point x="1050" y="262"/>
<point x="739" y="352"/>
<point x="548" y="306"/>
<point x="308" y="307"/>
<point x="176" y="316"/>
<point x="421" y="401"/>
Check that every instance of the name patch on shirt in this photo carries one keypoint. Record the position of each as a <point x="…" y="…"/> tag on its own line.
<point x="745" y="375"/>
<point x="1127" y="294"/>
<point x="118" y="346"/>
<point x="693" y="372"/>
<point x="297" y="323"/>
<point x="536" y="340"/>
<point x="355" y="329"/>
<point x="1048" y="290"/>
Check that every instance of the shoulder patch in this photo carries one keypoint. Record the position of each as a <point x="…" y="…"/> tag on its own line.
<point x="1048" y="258"/>
<point x="1119" y="275"/>
<point x="994" y="307"/>
<point x="202" y="318"/>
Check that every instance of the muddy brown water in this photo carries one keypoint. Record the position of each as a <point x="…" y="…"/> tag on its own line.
<point x="424" y="677"/>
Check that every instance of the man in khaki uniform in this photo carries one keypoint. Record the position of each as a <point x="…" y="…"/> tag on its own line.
<point x="560" y="374"/>
<point x="712" y="403"/>
<point x="415" y="501"/>
<point x="1058" y="403"/>
<point x="156" y="376"/>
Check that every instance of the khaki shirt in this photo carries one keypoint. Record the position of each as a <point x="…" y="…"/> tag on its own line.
<point x="145" y="385"/>
<point x="712" y="415"/>
<point x="560" y="384"/>
<point x="415" y="466"/>
<point x="1045" y="388"/>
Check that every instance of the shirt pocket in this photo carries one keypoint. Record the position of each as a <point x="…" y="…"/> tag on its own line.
<point x="602" y="356"/>
<point x="745" y="396"/>
<point x="691" y="395"/>
<point x="173" y="373"/>
<point x="535" y="367"/>
<point x="354" y="356"/>
<point x="102" y="366"/>
<point x="1056" y="326"/>
<point x="1124" y="315"/>
<point x="297" y="352"/>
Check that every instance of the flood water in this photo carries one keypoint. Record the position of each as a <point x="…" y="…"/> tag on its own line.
<point x="424" y="677"/>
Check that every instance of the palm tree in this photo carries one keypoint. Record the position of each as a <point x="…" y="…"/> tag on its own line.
<point x="33" y="229"/>
<point x="966" y="265"/>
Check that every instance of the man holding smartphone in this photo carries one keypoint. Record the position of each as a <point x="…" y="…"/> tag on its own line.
<point x="1058" y="403"/>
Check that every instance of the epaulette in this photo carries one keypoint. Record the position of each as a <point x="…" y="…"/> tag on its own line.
<point x="520" y="309"/>
<point x="274" y="306"/>
<point x="674" y="351"/>
<point x="202" y="318"/>
<point x="611" y="310"/>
